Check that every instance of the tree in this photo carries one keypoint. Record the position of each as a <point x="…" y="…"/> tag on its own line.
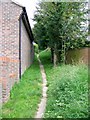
<point x="61" y="26"/>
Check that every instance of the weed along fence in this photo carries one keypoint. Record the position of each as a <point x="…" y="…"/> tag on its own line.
<point x="78" y="55"/>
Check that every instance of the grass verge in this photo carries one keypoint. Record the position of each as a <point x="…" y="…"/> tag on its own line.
<point x="67" y="89"/>
<point x="25" y="96"/>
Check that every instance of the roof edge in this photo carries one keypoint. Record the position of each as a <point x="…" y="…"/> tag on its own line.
<point x="17" y="3"/>
<point x="26" y="22"/>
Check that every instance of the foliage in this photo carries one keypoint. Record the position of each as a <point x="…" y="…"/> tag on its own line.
<point x="25" y="95"/>
<point x="36" y="49"/>
<point x="40" y="36"/>
<point x="61" y="26"/>
<point x="67" y="90"/>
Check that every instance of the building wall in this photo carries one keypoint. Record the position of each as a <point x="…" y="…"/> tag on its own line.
<point x="9" y="45"/>
<point x="26" y="49"/>
<point x="0" y="56"/>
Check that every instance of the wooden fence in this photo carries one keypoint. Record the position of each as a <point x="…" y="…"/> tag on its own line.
<point x="78" y="55"/>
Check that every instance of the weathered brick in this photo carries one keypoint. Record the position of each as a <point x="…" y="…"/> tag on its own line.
<point x="9" y="50"/>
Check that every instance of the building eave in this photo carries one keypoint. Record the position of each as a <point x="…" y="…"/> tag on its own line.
<point x="17" y="3"/>
<point x="27" y="24"/>
<point x="25" y="20"/>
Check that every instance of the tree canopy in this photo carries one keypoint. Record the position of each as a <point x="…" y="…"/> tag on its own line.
<point x="61" y="26"/>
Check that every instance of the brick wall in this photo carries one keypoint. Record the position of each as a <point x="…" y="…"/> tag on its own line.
<point x="9" y="47"/>
<point x="9" y="41"/>
<point x="0" y="61"/>
<point x="26" y="49"/>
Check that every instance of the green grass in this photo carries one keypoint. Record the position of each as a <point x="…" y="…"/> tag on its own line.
<point x="25" y="96"/>
<point x="67" y="89"/>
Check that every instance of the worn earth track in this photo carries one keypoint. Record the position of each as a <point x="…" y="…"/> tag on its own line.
<point x="42" y="105"/>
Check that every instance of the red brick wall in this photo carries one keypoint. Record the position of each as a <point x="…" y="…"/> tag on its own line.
<point x="9" y="47"/>
<point x="0" y="54"/>
<point x="9" y="41"/>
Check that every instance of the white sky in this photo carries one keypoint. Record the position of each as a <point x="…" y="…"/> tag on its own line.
<point x="30" y="7"/>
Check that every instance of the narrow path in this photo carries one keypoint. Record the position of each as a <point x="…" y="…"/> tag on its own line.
<point x="42" y="105"/>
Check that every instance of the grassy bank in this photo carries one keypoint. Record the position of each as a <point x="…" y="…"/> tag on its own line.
<point x="25" y="95"/>
<point x="67" y="90"/>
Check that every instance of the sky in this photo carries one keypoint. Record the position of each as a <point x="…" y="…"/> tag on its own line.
<point x="30" y="7"/>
